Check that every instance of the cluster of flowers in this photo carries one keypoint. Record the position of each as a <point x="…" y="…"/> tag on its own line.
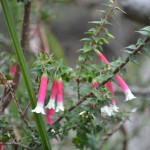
<point x="56" y="91"/>
<point x="109" y="110"/>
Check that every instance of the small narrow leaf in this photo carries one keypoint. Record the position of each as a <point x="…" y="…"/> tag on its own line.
<point x="146" y="28"/>
<point x="145" y="33"/>
<point x="121" y="10"/>
<point x="140" y="42"/>
<point x="86" y="47"/>
<point x="127" y="51"/>
<point x="95" y="22"/>
<point x="85" y="39"/>
<point x="133" y="59"/>
<point x="131" y="47"/>
<point x="110" y="35"/>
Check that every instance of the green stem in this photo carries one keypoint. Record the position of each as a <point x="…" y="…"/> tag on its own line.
<point x="13" y="34"/>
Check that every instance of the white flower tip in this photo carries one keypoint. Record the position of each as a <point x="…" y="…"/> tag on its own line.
<point x="129" y="95"/>
<point x="59" y="107"/>
<point x="107" y="111"/>
<point x="111" y="111"/>
<point x="114" y="107"/>
<point x="39" y="109"/>
<point x="134" y="110"/>
<point x="53" y="131"/>
<point x="51" y="104"/>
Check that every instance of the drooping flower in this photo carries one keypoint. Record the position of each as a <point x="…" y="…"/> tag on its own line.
<point x="60" y="105"/>
<point x="51" y="103"/>
<point x="109" y="110"/>
<point x="106" y="110"/>
<point x="12" y="70"/>
<point x="49" y="113"/>
<point x="94" y="84"/>
<point x="41" y="94"/>
<point x="113" y="105"/>
<point x="125" y="88"/>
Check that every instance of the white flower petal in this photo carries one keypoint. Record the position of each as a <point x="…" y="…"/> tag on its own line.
<point x="59" y="107"/>
<point x="129" y="95"/>
<point x="51" y="104"/>
<point x="111" y="111"/>
<point x="106" y="111"/>
<point x="39" y="109"/>
<point x="114" y="107"/>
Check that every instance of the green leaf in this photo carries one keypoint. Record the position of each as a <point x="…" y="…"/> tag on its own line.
<point x="92" y="29"/>
<point x="110" y="35"/>
<point x="81" y="57"/>
<point x="146" y="28"/>
<point x="97" y="40"/>
<point x="103" y="40"/>
<point x="145" y="33"/>
<point x="95" y="22"/>
<point x="102" y="77"/>
<point x="127" y="51"/>
<point x="86" y="47"/>
<point x="133" y="58"/>
<point x="123" y="71"/>
<point x="85" y="39"/>
<point x="140" y="42"/>
<point x="131" y="47"/>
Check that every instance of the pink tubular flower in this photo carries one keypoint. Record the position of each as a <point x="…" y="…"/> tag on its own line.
<point x="60" y="105"/>
<point x="102" y="57"/>
<point x="106" y="110"/>
<point x="1" y="146"/>
<point x="51" y="103"/>
<point x="113" y="105"/>
<point x="13" y="70"/>
<point x="41" y="94"/>
<point x="49" y="114"/>
<point x="94" y="84"/>
<point x="125" y="88"/>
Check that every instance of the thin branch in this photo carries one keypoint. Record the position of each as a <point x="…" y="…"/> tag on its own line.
<point x="26" y="108"/>
<point x="78" y="88"/>
<point x="6" y="84"/>
<point x="90" y="94"/>
<point x="25" y="25"/>
<point x="109" y="134"/>
<point x="125" y="141"/>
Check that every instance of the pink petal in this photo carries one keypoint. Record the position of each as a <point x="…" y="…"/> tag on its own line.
<point x="42" y="88"/>
<point x="49" y="114"/>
